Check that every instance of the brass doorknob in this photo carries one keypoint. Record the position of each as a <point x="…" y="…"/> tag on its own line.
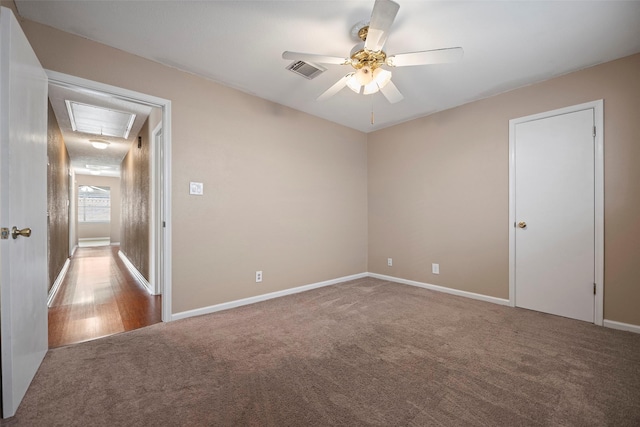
<point x="522" y="224"/>
<point x="26" y="232"/>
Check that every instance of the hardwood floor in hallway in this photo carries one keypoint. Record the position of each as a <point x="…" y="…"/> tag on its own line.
<point x="99" y="297"/>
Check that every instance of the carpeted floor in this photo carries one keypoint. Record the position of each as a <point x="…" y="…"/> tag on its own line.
<point x="366" y="352"/>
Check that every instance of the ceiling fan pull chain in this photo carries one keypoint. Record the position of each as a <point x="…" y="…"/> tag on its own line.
<point x="372" y="117"/>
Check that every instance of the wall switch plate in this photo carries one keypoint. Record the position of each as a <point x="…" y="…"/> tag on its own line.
<point x="258" y="276"/>
<point x="389" y="262"/>
<point x="435" y="268"/>
<point x="196" y="188"/>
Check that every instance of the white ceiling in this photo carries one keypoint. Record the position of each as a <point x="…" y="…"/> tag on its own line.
<point x="80" y="150"/>
<point x="507" y="44"/>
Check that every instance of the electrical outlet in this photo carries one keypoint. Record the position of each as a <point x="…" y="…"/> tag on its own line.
<point x="258" y="276"/>
<point x="435" y="268"/>
<point x="389" y="262"/>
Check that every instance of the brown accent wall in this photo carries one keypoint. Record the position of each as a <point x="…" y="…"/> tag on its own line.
<point x="57" y="197"/>
<point x="284" y="192"/>
<point x="438" y="187"/>
<point x="136" y="207"/>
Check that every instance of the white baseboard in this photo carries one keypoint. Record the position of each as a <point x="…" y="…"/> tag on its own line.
<point x="58" y="282"/>
<point x="73" y="251"/>
<point x="437" y="288"/>
<point x="115" y="243"/>
<point x="263" y="297"/>
<point x="134" y="271"/>
<point x="621" y="326"/>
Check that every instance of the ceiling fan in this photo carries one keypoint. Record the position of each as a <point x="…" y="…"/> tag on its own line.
<point x="367" y="58"/>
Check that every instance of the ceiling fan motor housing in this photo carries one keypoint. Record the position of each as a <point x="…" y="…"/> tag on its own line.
<point x="361" y="57"/>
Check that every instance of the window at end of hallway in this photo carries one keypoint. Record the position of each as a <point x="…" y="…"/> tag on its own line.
<point x="94" y="203"/>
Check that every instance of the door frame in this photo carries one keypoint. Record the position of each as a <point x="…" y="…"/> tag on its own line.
<point x="155" y="238"/>
<point x="598" y="109"/>
<point x="162" y="228"/>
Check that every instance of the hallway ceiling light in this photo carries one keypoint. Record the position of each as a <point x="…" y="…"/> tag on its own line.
<point x="99" y="144"/>
<point x="98" y="120"/>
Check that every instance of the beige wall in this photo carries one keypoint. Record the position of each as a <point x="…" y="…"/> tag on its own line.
<point x="57" y="198"/>
<point x="438" y="187"/>
<point x="112" y="229"/>
<point x="136" y="201"/>
<point x="284" y="192"/>
<point x="287" y="193"/>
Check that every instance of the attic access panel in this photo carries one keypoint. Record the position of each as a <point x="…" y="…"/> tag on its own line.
<point x="98" y="120"/>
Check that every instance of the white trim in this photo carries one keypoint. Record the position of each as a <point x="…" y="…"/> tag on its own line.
<point x="115" y="243"/>
<point x="457" y="292"/>
<point x="71" y="211"/>
<point x="263" y="297"/>
<point x="598" y="118"/>
<point x="58" y="282"/>
<point x="165" y="279"/>
<point x="135" y="272"/>
<point x="101" y="89"/>
<point x="155" y="217"/>
<point x="73" y="251"/>
<point x="621" y="326"/>
<point x="512" y="214"/>
<point x="87" y="241"/>
<point x="598" y="109"/>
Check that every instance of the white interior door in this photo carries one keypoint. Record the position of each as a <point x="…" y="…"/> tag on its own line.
<point x="554" y="215"/>
<point x="23" y="204"/>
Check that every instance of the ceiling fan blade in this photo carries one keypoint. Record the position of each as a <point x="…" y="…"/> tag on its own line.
<point x="391" y="92"/>
<point x="310" y="57"/>
<point x="337" y="87"/>
<point x="384" y="12"/>
<point x="436" y="56"/>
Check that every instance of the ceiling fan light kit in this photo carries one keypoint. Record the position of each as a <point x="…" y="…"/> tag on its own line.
<point x="368" y="58"/>
<point x="368" y="73"/>
<point x="352" y="82"/>
<point x="368" y="81"/>
<point x="364" y="76"/>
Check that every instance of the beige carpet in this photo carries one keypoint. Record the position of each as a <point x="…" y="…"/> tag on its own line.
<point x="366" y="352"/>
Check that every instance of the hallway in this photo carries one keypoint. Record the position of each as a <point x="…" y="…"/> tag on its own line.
<point x="99" y="297"/>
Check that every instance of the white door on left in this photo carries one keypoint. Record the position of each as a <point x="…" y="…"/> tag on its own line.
<point x="23" y="204"/>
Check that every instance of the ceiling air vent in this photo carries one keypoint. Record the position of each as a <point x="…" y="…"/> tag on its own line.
<point x="306" y="70"/>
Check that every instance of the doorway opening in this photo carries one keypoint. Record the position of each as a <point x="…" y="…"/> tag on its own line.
<point x="145" y="244"/>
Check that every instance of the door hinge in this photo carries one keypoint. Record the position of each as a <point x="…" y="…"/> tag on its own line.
<point x="594" y="288"/>
<point x="164" y="224"/>
<point x="594" y="131"/>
